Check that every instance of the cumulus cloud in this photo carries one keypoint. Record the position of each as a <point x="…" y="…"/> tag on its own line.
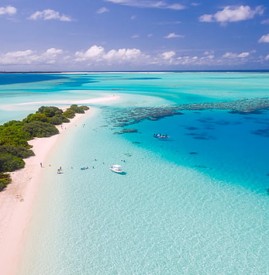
<point x="173" y="35"/>
<point x="28" y="57"/>
<point x="236" y="55"/>
<point x="102" y="10"/>
<point x="49" y="14"/>
<point x="51" y="53"/>
<point x="267" y="57"/>
<point x="264" y="39"/>
<point x="232" y="14"/>
<point x="168" y="55"/>
<point x="18" y="57"/>
<point x="97" y="54"/>
<point x="94" y="52"/>
<point x="98" y="57"/>
<point x="8" y="10"/>
<point x="123" y="55"/>
<point x="148" y="4"/>
<point x="208" y="55"/>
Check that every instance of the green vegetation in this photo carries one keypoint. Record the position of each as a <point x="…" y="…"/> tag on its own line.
<point x="4" y="180"/>
<point x="75" y="109"/>
<point x="40" y="129"/>
<point x="51" y="114"/>
<point x="14" y="136"/>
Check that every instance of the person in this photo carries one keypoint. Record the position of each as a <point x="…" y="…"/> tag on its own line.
<point x="41" y="164"/>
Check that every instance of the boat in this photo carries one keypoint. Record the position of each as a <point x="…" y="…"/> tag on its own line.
<point x="116" y="168"/>
<point x="161" y="136"/>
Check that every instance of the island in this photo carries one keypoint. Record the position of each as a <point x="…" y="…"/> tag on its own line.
<point x="15" y="134"/>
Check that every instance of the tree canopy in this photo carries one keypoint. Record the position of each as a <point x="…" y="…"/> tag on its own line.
<point x="14" y="136"/>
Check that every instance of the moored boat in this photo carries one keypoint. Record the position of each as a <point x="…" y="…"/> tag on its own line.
<point x="116" y="168"/>
<point x="161" y="136"/>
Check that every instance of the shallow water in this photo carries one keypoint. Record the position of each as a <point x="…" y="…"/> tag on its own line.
<point x="193" y="204"/>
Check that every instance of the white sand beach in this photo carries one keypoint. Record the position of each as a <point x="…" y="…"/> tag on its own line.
<point x="17" y="201"/>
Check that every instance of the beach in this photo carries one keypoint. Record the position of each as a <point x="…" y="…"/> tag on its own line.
<point x="196" y="202"/>
<point x="18" y="199"/>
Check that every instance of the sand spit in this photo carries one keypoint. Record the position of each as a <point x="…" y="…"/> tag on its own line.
<point x="17" y="201"/>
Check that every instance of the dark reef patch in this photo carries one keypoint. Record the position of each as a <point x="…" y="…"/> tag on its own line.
<point x="136" y="142"/>
<point x="191" y="128"/>
<point x="125" y="117"/>
<point x="254" y="112"/>
<point x="262" y="132"/>
<point x="127" y="131"/>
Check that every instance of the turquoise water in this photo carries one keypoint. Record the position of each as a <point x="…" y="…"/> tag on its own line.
<point x="194" y="204"/>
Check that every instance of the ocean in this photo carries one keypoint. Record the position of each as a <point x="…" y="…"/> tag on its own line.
<point x="193" y="203"/>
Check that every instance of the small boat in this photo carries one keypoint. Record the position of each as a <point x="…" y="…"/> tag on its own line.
<point x="161" y="136"/>
<point x="116" y="168"/>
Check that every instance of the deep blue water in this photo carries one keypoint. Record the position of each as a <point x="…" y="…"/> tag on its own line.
<point x="19" y="78"/>
<point x="223" y="145"/>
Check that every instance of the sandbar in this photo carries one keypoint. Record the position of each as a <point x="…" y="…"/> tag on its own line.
<point x="18" y="199"/>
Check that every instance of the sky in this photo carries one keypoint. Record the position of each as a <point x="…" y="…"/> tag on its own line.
<point x="115" y="35"/>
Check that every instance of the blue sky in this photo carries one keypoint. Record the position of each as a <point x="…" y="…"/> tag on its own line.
<point x="134" y="34"/>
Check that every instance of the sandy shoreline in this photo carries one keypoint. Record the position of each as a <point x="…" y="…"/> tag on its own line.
<point x="17" y="201"/>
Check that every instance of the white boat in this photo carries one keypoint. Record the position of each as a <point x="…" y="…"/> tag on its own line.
<point x="161" y="136"/>
<point x="116" y="168"/>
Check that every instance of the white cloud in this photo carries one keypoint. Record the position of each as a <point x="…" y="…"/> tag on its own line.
<point x="8" y="10"/>
<point x="236" y="55"/>
<point x="123" y="55"/>
<point x="17" y="57"/>
<point x="267" y="57"/>
<point x="28" y="57"/>
<point x="49" y="15"/>
<point x="243" y="54"/>
<point x="102" y="10"/>
<point x="168" y="55"/>
<point x="52" y="53"/>
<point x="232" y="14"/>
<point x="173" y="35"/>
<point x="50" y="56"/>
<point x="148" y="4"/>
<point x="175" y="7"/>
<point x="208" y="55"/>
<point x="98" y="57"/>
<point x="97" y="54"/>
<point x="94" y="52"/>
<point x="135" y="36"/>
<point x="264" y="39"/>
<point x="206" y="18"/>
